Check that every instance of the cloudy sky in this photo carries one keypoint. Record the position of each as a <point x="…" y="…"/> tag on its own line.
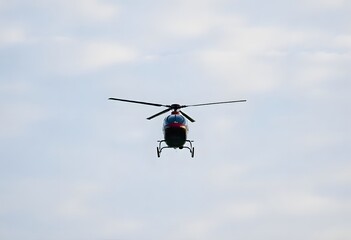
<point x="74" y="166"/>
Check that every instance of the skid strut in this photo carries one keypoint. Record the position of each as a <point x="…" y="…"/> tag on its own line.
<point x="160" y="147"/>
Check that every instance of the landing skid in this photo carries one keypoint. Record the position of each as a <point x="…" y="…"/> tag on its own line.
<point x="160" y="148"/>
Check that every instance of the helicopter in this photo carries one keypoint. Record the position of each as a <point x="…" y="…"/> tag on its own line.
<point x="175" y="127"/>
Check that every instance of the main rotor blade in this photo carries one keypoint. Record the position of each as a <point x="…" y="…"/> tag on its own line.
<point x="157" y="114"/>
<point x="205" y="104"/>
<point x="187" y="116"/>
<point x="139" y="102"/>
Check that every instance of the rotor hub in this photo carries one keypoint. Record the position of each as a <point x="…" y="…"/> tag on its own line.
<point x="175" y="107"/>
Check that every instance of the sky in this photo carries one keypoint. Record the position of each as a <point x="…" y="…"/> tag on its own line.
<point x="75" y="166"/>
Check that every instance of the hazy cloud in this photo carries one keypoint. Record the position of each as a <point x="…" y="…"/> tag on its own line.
<point x="76" y="166"/>
<point x="12" y="35"/>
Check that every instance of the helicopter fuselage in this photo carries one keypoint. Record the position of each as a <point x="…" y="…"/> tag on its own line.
<point x="175" y="130"/>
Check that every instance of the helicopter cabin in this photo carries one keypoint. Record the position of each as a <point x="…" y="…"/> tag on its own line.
<point x="175" y="130"/>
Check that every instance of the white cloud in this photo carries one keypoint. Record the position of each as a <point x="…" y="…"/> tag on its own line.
<point x="242" y="210"/>
<point x="4" y="5"/>
<point x="324" y="4"/>
<point x="333" y="232"/>
<point x="341" y="176"/>
<point x="343" y="41"/>
<point x="110" y="228"/>
<point x="76" y="202"/>
<point x="320" y="140"/>
<point x="303" y="204"/>
<point x="18" y="118"/>
<point x="189" y="19"/>
<point x="242" y="72"/>
<point x="96" y="9"/>
<point x="100" y="54"/>
<point x="72" y="56"/>
<point x="248" y="58"/>
<point x="316" y="70"/>
<point x="16" y="88"/>
<point x="12" y="35"/>
<point x="187" y="23"/>
<point x="226" y="175"/>
<point x="81" y="10"/>
<point x="196" y="228"/>
<point x="207" y="224"/>
<point x="260" y="59"/>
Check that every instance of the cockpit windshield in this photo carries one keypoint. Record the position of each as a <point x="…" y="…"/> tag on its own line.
<point x="175" y="119"/>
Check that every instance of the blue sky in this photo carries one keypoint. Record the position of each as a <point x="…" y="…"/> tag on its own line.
<point x="75" y="166"/>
